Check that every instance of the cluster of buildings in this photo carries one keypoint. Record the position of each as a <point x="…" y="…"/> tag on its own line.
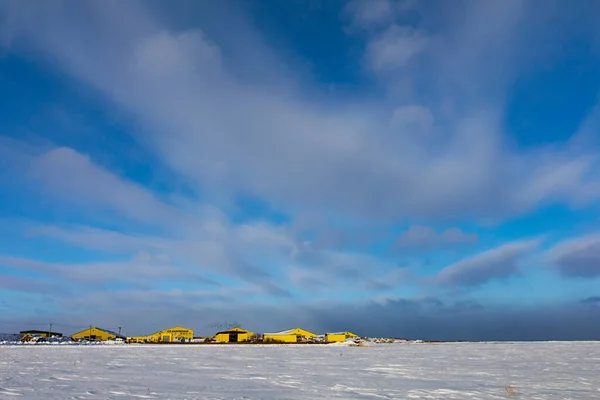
<point x="91" y="334"/>
<point x="180" y="334"/>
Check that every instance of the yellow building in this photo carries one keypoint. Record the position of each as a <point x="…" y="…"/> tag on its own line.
<point x="175" y="334"/>
<point x="339" y="337"/>
<point x="279" y="338"/>
<point x="94" y="333"/>
<point x="37" y="333"/>
<point x="288" y="336"/>
<point x="234" y="335"/>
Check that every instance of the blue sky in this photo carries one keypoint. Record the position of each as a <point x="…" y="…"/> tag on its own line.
<point x="421" y="169"/>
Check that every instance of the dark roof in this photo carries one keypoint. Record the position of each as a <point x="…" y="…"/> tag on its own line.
<point x="111" y="332"/>
<point x="233" y="330"/>
<point x="36" y="332"/>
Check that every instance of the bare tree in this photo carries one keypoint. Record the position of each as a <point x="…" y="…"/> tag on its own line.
<point x="224" y="326"/>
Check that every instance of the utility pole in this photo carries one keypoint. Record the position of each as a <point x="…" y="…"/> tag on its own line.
<point x="90" y="334"/>
<point x="50" y="331"/>
<point x="119" y="331"/>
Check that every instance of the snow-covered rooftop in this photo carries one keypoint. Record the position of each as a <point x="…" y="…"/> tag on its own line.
<point x="286" y="332"/>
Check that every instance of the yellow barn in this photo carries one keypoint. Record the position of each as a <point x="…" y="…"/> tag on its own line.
<point x="175" y="334"/>
<point x="339" y="337"/>
<point x="234" y="335"/>
<point x="288" y="336"/>
<point x="94" y="333"/>
<point x="301" y="333"/>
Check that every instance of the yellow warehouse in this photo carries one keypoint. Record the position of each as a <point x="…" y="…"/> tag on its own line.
<point x="175" y="334"/>
<point x="279" y="338"/>
<point x="234" y="335"/>
<point x="339" y="336"/>
<point x="94" y="333"/>
<point x="289" y="336"/>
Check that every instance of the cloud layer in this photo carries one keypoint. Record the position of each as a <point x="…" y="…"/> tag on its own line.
<point x="501" y="262"/>
<point x="225" y="132"/>
<point x="577" y="258"/>
<point x="425" y="238"/>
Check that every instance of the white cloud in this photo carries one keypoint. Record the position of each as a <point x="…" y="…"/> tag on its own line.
<point x="266" y="255"/>
<point x="27" y="284"/>
<point x="73" y="177"/>
<point x="224" y="134"/>
<point x="395" y="48"/>
<point x="205" y="245"/>
<point x="372" y="14"/>
<point x="576" y="258"/>
<point x="144" y="270"/>
<point x="366" y="13"/>
<point x="95" y="238"/>
<point x="413" y="118"/>
<point x="228" y="115"/>
<point x="500" y="262"/>
<point x="426" y="238"/>
<point x="198" y="240"/>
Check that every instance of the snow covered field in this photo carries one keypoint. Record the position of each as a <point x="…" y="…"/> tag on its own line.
<point x="567" y="370"/>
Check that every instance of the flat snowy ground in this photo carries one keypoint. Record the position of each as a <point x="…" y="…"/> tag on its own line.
<point x="567" y="370"/>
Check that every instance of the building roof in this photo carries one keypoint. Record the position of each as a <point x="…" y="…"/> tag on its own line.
<point x="103" y="330"/>
<point x="111" y="332"/>
<point x="37" y="332"/>
<point x="173" y="328"/>
<point x="293" y="331"/>
<point x="342" y="333"/>
<point x="234" y="330"/>
<point x="282" y="333"/>
<point x="286" y="332"/>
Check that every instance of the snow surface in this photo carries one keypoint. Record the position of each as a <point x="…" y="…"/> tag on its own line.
<point x="558" y="370"/>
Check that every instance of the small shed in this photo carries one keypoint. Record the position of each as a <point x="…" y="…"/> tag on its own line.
<point x="339" y="337"/>
<point x="335" y="337"/>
